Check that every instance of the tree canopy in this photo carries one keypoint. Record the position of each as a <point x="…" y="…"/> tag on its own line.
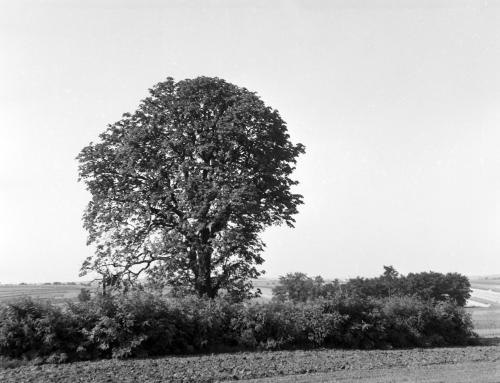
<point x="182" y="187"/>
<point x="425" y="285"/>
<point x="299" y="287"/>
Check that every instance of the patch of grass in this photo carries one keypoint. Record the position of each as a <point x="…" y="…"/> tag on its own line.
<point x="485" y="318"/>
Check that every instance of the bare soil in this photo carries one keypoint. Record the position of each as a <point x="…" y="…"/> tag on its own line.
<point x="482" y="372"/>
<point x="303" y="366"/>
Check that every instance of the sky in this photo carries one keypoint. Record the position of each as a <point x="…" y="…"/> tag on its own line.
<point x="397" y="103"/>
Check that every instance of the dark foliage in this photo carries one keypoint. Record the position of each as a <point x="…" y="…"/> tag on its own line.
<point x="183" y="187"/>
<point x="142" y="324"/>
<point x="431" y="285"/>
<point x="84" y="295"/>
<point x="298" y="287"/>
<point x="425" y="285"/>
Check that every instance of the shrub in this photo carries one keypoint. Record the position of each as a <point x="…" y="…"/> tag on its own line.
<point x="84" y="295"/>
<point x="298" y="287"/>
<point x="33" y="328"/>
<point x="140" y="324"/>
<point x="425" y="285"/>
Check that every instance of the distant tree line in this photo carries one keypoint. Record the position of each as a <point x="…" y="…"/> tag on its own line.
<point x="299" y="287"/>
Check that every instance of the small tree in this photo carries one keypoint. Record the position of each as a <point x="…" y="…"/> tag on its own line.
<point x="438" y="286"/>
<point x="299" y="287"/>
<point x="390" y="279"/>
<point x="182" y="188"/>
<point x="425" y="285"/>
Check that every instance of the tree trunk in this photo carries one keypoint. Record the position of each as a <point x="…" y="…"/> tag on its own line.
<point x="204" y="284"/>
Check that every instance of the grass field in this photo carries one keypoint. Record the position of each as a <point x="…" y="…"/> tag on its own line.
<point x="486" y="320"/>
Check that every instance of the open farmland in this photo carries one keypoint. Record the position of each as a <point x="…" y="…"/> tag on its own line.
<point x="486" y="319"/>
<point x="486" y="283"/>
<point x="489" y="296"/>
<point x="486" y="291"/>
<point x="55" y="293"/>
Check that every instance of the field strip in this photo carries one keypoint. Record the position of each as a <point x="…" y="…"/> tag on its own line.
<point x="473" y="303"/>
<point x="488" y="332"/>
<point x="484" y="286"/>
<point x="488" y="295"/>
<point x="44" y="292"/>
<point x="481" y="372"/>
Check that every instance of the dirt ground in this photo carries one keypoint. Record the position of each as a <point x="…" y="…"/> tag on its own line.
<point x="482" y="372"/>
<point x="457" y="364"/>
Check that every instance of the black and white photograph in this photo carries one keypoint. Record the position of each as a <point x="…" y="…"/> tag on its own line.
<point x="265" y="191"/>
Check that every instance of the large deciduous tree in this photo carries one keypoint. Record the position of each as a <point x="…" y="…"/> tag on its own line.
<point x="182" y="187"/>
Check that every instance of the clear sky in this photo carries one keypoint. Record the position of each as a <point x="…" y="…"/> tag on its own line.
<point x="397" y="103"/>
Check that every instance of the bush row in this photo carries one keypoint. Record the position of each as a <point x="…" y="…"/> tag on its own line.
<point x="299" y="287"/>
<point x="144" y="324"/>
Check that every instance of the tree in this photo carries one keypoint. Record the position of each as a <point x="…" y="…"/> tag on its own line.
<point x="458" y="288"/>
<point x="390" y="273"/>
<point x="438" y="286"/>
<point x="425" y="285"/>
<point x="299" y="287"/>
<point x="182" y="188"/>
<point x="390" y="279"/>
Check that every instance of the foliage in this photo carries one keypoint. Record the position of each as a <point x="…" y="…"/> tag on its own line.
<point x="182" y="187"/>
<point x="438" y="286"/>
<point x="31" y="329"/>
<point x="425" y="285"/>
<point x="140" y="324"/>
<point x="298" y="287"/>
<point x="84" y="295"/>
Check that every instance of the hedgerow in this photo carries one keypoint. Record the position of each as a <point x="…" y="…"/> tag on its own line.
<point x="299" y="287"/>
<point x="141" y="324"/>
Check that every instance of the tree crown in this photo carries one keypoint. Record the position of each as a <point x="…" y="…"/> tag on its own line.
<point x="184" y="185"/>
